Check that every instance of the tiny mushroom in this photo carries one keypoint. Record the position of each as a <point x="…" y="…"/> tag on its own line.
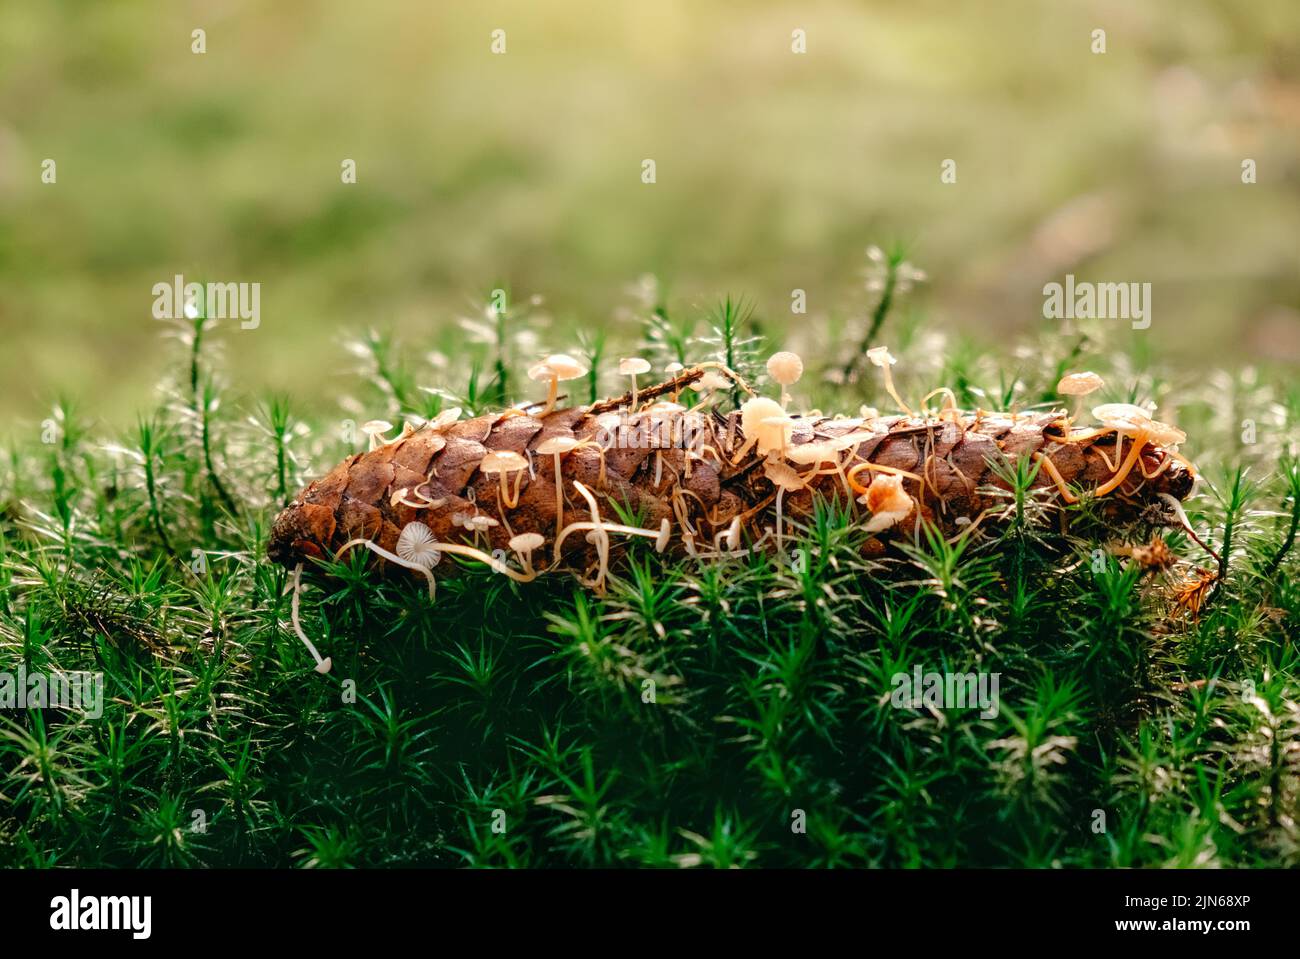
<point x="1136" y="423"/>
<point x="785" y="368"/>
<point x="376" y="431"/>
<point x="523" y="545"/>
<point x="710" y="381"/>
<point x="323" y="663"/>
<point x="785" y="424"/>
<point x="817" y="453"/>
<point x="1126" y="420"/>
<point x="761" y="421"/>
<point x="1122" y="416"/>
<point x="632" y="366"/>
<point x="1162" y="434"/>
<point x="478" y="523"/>
<point x="881" y="357"/>
<point x="888" y="501"/>
<point x="557" y="446"/>
<point x="556" y="367"/>
<point x="672" y="369"/>
<point x="598" y="534"/>
<point x="713" y="380"/>
<point x="1079" y="385"/>
<point x="501" y="462"/>
<point x="416" y="544"/>
<point x="444" y="419"/>
<point x="417" y="550"/>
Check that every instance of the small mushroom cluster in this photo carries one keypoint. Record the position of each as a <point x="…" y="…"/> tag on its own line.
<point x="768" y="429"/>
<point x="553" y="369"/>
<point x="1126" y="421"/>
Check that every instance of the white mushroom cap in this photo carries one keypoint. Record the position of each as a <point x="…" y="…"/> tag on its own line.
<point x="445" y="418"/>
<point x="559" y="366"/>
<point x="1079" y="384"/>
<point x="754" y="414"/>
<point x="480" y="522"/>
<point x="415" y="544"/>
<point x="633" y="365"/>
<point x="673" y="367"/>
<point x="1162" y="434"/>
<point x="557" y="444"/>
<point x="502" y="461"/>
<point x="526" y="542"/>
<point x="785" y="367"/>
<point x="712" y="380"/>
<point x="806" y="453"/>
<point x="1124" y="417"/>
<point x="783" y="476"/>
<point x="880" y="356"/>
<point x="376" y="427"/>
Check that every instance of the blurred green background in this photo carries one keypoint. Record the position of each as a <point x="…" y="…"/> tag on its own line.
<point x="775" y="170"/>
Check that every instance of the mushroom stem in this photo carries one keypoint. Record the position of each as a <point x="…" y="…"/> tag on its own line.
<point x="602" y="554"/>
<point x="731" y="534"/>
<point x="559" y="497"/>
<point x="1164" y="465"/>
<point x="1125" y="467"/>
<point x="889" y="388"/>
<point x="552" y="392"/>
<point x="1084" y="435"/>
<point x="1119" y="453"/>
<point x="1056" y="476"/>
<point x="324" y="664"/>
<point x="392" y="558"/>
<point x="839" y="469"/>
<point x="876" y="468"/>
<point x="602" y="537"/>
<point x="425" y="502"/>
<point x="511" y="500"/>
<point x="744" y="450"/>
<point x="949" y="407"/>
<point x="472" y="552"/>
<point x="606" y="528"/>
